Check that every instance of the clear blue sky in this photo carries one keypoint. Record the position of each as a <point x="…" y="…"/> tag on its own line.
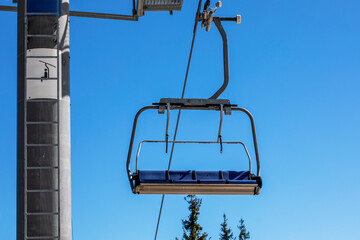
<point x="294" y="64"/>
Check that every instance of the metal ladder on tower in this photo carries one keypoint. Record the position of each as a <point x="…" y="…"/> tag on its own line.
<point x="41" y="136"/>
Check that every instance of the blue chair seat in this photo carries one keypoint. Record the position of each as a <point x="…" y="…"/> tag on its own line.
<point x="193" y="177"/>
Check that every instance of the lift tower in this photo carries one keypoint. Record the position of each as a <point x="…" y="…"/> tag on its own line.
<point x="43" y="124"/>
<point x="43" y="112"/>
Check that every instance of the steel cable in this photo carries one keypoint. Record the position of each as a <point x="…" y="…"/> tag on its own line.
<point x="179" y="114"/>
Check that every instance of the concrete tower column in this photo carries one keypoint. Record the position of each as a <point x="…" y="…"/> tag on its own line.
<point x="43" y="124"/>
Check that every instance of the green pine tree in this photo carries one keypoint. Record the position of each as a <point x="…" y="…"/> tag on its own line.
<point x="191" y="227"/>
<point x="226" y="233"/>
<point x="243" y="233"/>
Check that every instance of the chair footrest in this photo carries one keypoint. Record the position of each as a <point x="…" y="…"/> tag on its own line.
<point x="199" y="189"/>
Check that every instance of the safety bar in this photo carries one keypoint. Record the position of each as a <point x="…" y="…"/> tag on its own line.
<point x="200" y="142"/>
<point x="176" y="107"/>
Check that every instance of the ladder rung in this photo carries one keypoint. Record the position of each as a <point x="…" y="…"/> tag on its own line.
<point x="42" y="213"/>
<point x="41" y="168"/>
<point x="51" y="122"/>
<point x="41" y="145"/>
<point x="42" y="191"/>
<point x="43" y="237"/>
<point x="41" y="56"/>
<point x="38" y="13"/>
<point x="43" y="79"/>
<point x="41" y="100"/>
<point x="42" y="35"/>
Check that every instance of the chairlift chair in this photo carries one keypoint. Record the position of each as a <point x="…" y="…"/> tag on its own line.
<point x="190" y="181"/>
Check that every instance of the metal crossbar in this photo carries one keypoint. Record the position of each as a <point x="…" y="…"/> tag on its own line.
<point x="79" y="14"/>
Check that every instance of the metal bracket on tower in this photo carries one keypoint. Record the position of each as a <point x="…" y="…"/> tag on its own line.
<point x="139" y="9"/>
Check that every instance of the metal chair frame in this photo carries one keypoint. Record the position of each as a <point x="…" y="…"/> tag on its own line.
<point x="206" y="104"/>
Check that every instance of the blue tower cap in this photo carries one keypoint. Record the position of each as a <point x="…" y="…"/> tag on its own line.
<point x="44" y="6"/>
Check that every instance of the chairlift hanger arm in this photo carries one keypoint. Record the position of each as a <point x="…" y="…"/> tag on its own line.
<point x="206" y="17"/>
<point x="217" y="22"/>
